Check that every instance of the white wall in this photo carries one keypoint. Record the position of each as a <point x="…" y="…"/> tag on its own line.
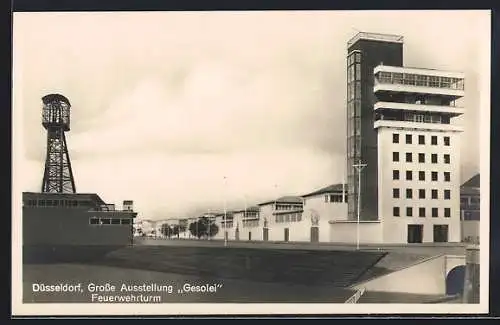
<point x="346" y="232"/>
<point x="395" y="228"/>
<point x="427" y="277"/>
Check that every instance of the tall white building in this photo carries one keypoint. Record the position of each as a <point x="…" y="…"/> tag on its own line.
<point x="418" y="153"/>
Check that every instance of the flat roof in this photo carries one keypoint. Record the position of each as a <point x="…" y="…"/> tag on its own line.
<point x="419" y="71"/>
<point x="375" y="37"/>
<point x="69" y="196"/>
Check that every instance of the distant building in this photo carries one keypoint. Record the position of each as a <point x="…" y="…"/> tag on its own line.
<point x="282" y="217"/>
<point x="247" y="225"/>
<point x="66" y="225"/>
<point x="470" y="209"/>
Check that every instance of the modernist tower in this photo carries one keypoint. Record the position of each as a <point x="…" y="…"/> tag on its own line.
<point x="364" y="52"/>
<point x="402" y="131"/>
<point x="58" y="176"/>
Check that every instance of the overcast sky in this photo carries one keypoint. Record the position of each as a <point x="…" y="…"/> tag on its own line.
<point x="164" y="105"/>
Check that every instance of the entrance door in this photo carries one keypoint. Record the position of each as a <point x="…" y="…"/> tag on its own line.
<point x="237" y="234"/>
<point x="440" y="233"/>
<point x="287" y="234"/>
<point x="314" y="234"/>
<point x="415" y="233"/>
<point x="249" y="235"/>
<point x="226" y="236"/>
<point x="266" y="234"/>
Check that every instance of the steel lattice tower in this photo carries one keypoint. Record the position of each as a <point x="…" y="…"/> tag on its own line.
<point x="58" y="176"/>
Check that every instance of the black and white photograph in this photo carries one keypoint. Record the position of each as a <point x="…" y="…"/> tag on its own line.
<point x="250" y="162"/>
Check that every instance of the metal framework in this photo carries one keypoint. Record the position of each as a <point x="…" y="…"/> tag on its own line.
<point x="58" y="175"/>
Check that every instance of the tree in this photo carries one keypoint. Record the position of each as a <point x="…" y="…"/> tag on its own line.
<point x="203" y="227"/>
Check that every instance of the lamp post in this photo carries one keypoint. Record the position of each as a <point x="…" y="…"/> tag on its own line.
<point x="225" y="214"/>
<point x="359" y="167"/>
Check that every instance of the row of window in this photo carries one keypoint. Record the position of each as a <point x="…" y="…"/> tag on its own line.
<point x="420" y="80"/>
<point x="228" y="224"/>
<point x="110" y="221"/>
<point x="250" y="223"/>
<point x="287" y="207"/>
<point x="422" y="212"/>
<point x="421" y="139"/>
<point x="421" y="175"/>
<point x="292" y="217"/>
<point x="334" y="198"/>
<point x="421" y="157"/>
<point x="250" y="214"/>
<point x="57" y="203"/>
<point x="421" y="193"/>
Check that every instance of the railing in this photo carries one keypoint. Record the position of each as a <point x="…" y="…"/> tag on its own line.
<point x="355" y="297"/>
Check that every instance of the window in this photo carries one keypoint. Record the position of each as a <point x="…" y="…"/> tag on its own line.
<point x="409" y="175"/>
<point x="421" y="139"/>
<point x="409" y="212"/>
<point x="358" y="90"/>
<point x="434" y="194"/>
<point x="94" y="221"/>
<point x="409" y="193"/>
<point x="421" y="193"/>
<point x="326" y="198"/>
<point x="395" y="211"/>
<point x="358" y="71"/>
<point x="408" y="139"/>
<point x="421" y="212"/>
<point x="395" y="174"/>
<point x="447" y="212"/>
<point x="395" y="193"/>
<point x="395" y="156"/>
<point x="421" y="175"/>
<point x="357" y="57"/>
<point x="421" y="157"/>
<point x="434" y="176"/>
<point x="408" y="157"/>
<point x="446" y="158"/>
<point x="435" y="212"/>
<point x="105" y="221"/>
<point x="447" y="194"/>
<point x="446" y="176"/>
<point x="446" y="141"/>
<point x="115" y="221"/>
<point x="434" y="158"/>
<point x="434" y="140"/>
<point x="395" y="138"/>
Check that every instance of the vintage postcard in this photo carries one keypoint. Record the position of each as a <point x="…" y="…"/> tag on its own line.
<point x="250" y="162"/>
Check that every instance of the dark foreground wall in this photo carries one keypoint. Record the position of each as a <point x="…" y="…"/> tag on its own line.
<point x="61" y="226"/>
<point x="47" y="254"/>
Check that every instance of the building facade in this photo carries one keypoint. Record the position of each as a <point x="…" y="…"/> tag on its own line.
<point x="402" y="131"/>
<point x="320" y="208"/>
<point x="470" y="210"/>
<point x="69" y="225"/>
